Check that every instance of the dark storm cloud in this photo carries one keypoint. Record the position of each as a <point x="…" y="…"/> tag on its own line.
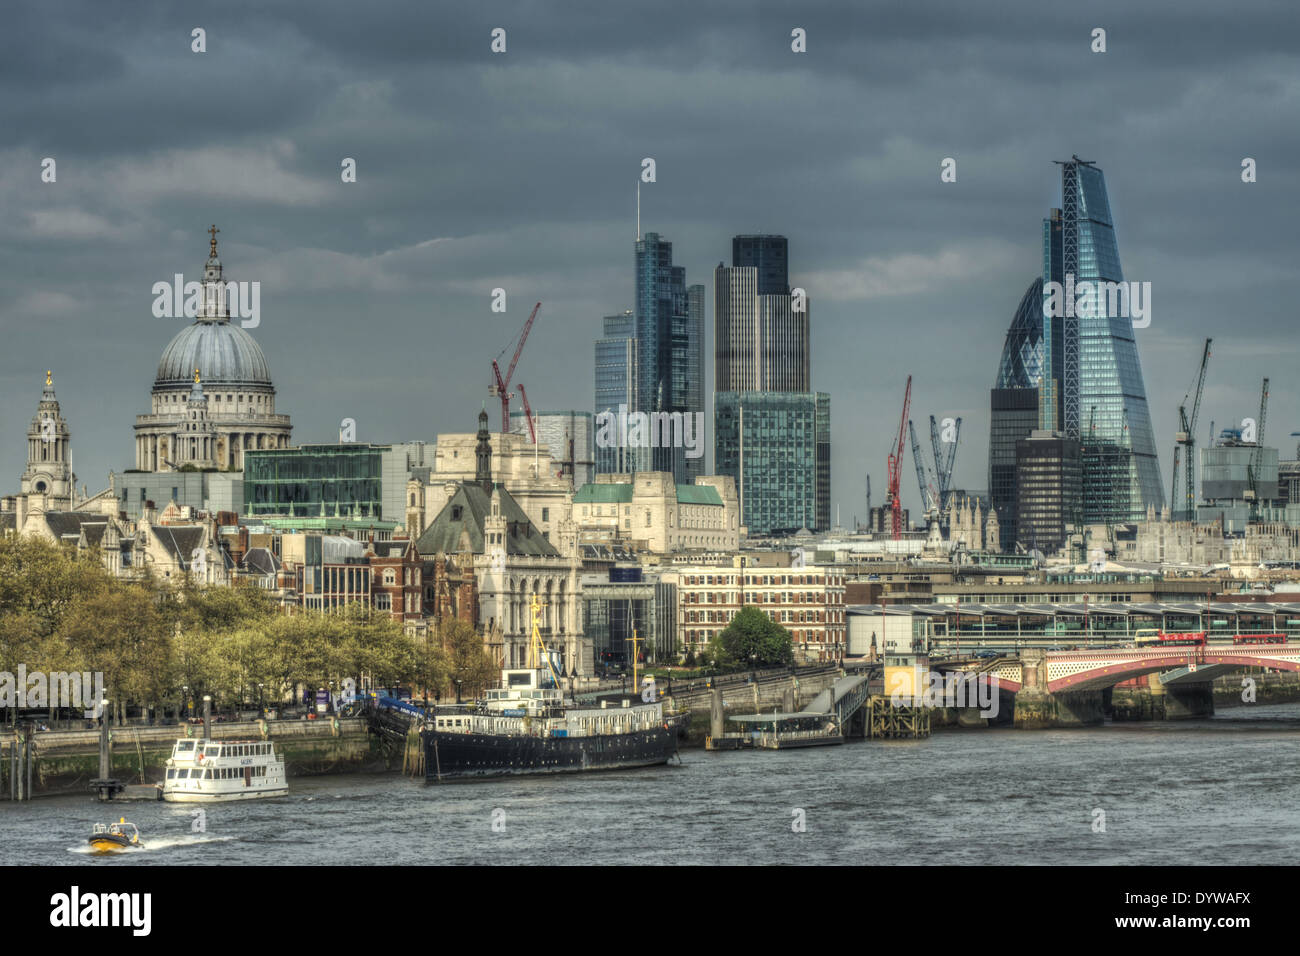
<point x="477" y="171"/>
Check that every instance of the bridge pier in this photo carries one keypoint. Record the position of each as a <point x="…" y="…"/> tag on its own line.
<point x="1147" y="698"/>
<point x="1038" y="710"/>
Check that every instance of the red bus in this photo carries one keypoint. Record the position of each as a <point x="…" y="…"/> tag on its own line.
<point x="1151" y="638"/>
<point x="1259" y="639"/>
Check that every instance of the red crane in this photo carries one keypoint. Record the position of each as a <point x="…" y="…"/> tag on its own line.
<point x="896" y="467"/>
<point x="528" y="412"/>
<point x="502" y="386"/>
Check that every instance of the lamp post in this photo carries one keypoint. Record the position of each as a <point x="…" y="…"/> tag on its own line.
<point x="458" y="690"/>
<point x="185" y="701"/>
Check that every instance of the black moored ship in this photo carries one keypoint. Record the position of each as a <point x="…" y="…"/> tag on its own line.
<point x="525" y="727"/>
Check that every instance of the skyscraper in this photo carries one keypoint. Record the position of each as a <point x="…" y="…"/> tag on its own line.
<point x="761" y="333"/>
<point x="771" y="432"/>
<point x="1014" y="406"/>
<point x="1102" y="399"/>
<point x="615" y="370"/>
<point x="777" y="447"/>
<point x="770" y="255"/>
<point x="667" y="374"/>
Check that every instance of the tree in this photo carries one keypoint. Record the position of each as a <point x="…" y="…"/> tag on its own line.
<point x="469" y="662"/>
<point x="752" y="638"/>
<point x="119" y="633"/>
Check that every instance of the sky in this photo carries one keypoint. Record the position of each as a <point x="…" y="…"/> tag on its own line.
<point x="478" y="170"/>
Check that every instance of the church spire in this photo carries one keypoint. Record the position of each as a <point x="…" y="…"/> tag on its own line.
<point x="483" y="453"/>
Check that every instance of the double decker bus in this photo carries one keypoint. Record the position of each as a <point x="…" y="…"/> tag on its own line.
<point x="1259" y="639"/>
<point x="1150" y="637"/>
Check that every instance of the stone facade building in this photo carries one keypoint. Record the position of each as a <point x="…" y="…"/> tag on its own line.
<point x="213" y="397"/>
<point x="649" y="511"/>
<point x="807" y="601"/>
<point x="482" y="528"/>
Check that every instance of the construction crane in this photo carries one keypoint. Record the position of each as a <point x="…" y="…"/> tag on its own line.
<point x="895" y="464"/>
<point x="929" y="496"/>
<point x="1259" y="441"/>
<point x="1186" y="437"/>
<point x="528" y="412"/>
<point x="944" y="460"/>
<point x="502" y="385"/>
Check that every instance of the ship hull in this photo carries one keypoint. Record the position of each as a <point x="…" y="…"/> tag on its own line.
<point x="451" y="756"/>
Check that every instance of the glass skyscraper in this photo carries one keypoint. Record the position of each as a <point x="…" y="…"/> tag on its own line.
<point x="777" y="446"/>
<point x="1014" y="406"/>
<point x="1092" y="389"/>
<point x="667" y="375"/>
<point x="615" y="368"/>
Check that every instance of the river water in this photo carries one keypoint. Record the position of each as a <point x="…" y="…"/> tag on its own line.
<point x="1221" y="790"/>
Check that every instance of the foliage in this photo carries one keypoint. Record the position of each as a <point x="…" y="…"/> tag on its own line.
<point x="467" y="660"/>
<point x="751" y="639"/>
<point x="158" y="641"/>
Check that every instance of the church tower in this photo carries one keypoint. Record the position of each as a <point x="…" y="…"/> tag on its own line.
<point x="483" y="454"/>
<point x="48" y="481"/>
<point x="196" y="444"/>
<point x="414" y="508"/>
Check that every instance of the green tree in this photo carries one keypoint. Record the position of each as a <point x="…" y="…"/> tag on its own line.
<point x="119" y="632"/>
<point x="752" y="638"/>
<point x="469" y="662"/>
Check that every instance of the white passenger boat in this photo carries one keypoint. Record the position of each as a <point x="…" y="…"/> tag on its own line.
<point x="200" y="771"/>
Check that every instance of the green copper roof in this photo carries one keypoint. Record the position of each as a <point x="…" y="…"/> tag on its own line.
<point x="698" y="495"/>
<point x="602" y="493"/>
<point x="605" y="493"/>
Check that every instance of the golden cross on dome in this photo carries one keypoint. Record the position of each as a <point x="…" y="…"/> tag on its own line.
<point x="213" y="233"/>
<point x="49" y="377"/>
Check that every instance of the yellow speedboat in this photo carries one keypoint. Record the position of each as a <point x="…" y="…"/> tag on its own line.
<point x="110" y="837"/>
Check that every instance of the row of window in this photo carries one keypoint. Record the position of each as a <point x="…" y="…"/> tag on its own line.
<point x="764" y="597"/>
<point x="215" y="773"/>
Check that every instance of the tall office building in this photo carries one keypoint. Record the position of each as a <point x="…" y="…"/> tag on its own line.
<point x="777" y="445"/>
<point x="761" y="333"/>
<point x="770" y="255"/>
<point x="615" y="368"/>
<point x="1102" y="399"/>
<point x="1014" y="406"/>
<point x="771" y="431"/>
<point x="1048" y="478"/>
<point x="667" y="375"/>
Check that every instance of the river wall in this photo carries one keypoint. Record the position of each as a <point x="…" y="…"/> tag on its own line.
<point x="65" y="761"/>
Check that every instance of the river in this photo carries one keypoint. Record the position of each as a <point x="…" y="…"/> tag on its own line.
<point x="1221" y="790"/>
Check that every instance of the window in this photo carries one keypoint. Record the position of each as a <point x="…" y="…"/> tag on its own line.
<point x="546" y="514"/>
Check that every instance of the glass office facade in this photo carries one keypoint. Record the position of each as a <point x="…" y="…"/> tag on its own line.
<point x="1095" y="364"/>
<point x="1014" y="404"/>
<point x="784" y="440"/>
<point x="1014" y="415"/>
<point x="770" y="255"/>
<point x="615" y="368"/>
<point x="668" y="373"/>
<point x="1048" y="478"/>
<point x="316" y="480"/>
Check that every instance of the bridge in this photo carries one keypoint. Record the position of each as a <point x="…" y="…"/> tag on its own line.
<point x="1106" y="667"/>
<point x="1063" y="688"/>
